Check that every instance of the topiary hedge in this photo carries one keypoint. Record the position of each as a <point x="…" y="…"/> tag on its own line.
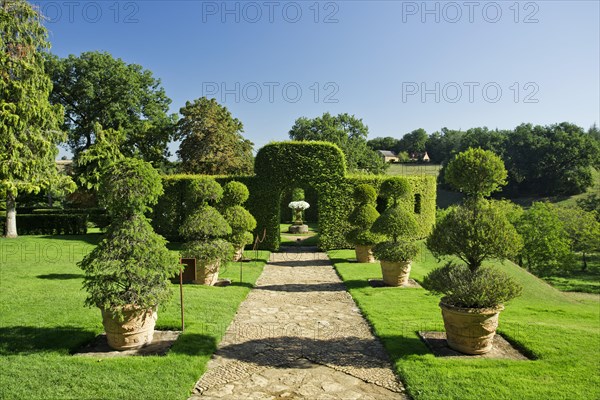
<point x="282" y="166"/>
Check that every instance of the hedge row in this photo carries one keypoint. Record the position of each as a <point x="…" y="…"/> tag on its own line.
<point x="281" y="166"/>
<point x="97" y="216"/>
<point x="50" y="224"/>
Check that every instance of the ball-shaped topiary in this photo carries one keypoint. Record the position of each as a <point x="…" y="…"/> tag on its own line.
<point x="129" y="187"/>
<point x="234" y="194"/>
<point x="476" y="173"/>
<point x="205" y="190"/>
<point x="395" y="223"/>
<point x="204" y="224"/>
<point x="240" y="220"/>
<point x="364" y="194"/>
<point x="395" y="188"/>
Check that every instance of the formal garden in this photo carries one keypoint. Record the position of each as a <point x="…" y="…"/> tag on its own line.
<point x="311" y="269"/>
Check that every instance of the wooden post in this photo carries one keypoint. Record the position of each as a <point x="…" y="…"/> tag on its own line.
<point x="181" y="298"/>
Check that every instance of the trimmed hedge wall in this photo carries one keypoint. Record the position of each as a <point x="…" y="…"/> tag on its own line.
<point x="281" y="166"/>
<point x="50" y="224"/>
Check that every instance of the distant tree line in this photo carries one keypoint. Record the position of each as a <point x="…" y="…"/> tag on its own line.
<point x="542" y="160"/>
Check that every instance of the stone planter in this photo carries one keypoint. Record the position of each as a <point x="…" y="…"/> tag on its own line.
<point x="239" y="254"/>
<point x="207" y="273"/>
<point x="395" y="273"/>
<point x="135" y="331"/>
<point x="298" y="229"/>
<point x="470" y="330"/>
<point x="364" y="254"/>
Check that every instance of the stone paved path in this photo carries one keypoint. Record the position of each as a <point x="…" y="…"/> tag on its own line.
<point x="299" y="334"/>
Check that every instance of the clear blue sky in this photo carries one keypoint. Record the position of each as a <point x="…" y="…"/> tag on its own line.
<point x="397" y="65"/>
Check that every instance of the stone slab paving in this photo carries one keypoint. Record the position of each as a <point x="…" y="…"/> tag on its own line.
<point x="299" y="334"/>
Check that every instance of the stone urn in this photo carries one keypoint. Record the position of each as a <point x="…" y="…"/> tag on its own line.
<point x="395" y="273"/>
<point x="207" y="272"/>
<point x="364" y="254"/>
<point x="470" y="330"/>
<point x="134" y="331"/>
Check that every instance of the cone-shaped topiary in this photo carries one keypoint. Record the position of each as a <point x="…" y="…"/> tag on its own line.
<point x="241" y="221"/>
<point x="127" y="274"/>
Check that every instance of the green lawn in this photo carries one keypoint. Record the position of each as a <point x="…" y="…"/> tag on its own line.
<point x="560" y="330"/>
<point x="43" y="320"/>
<point x="587" y="281"/>
<point x="306" y="239"/>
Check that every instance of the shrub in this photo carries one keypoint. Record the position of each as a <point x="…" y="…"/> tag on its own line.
<point x="396" y="251"/>
<point x="205" y="191"/>
<point x="132" y="264"/>
<point x="208" y="251"/>
<point x="130" y="187"/>
<point x="476" y="172"/>
<point x="204" y="224"/>
<point x="239" y="219"/>
<point x="485" y="288"/>
<point x="395" y="223"/>
<point x="234" y="194"/>
<point x="363" y="216"/>
<point x="51" y="224"/>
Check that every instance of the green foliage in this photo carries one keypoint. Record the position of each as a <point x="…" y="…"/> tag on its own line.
<point x="395" y="222"/>
<point x="547" y="246"/>
<point x="204" y="191"/>
<point x="206" y="223"/>
<point x="590" y="203"/>
<point x="365" y="194"/>
<point x="346" y="131"/>
<point x="242" y="224"/>
<point x="473" y="233"/>
<point x="211" y="140"/>
<point x="396" y="251"/>
<point x="93" y="162"/>
<point x="98" y="91"/>
<point x="319" y="166"/>
<point x="50" y="224"/>
<point x="363" y="216"/>
<point x="476" y="172"/>
<point x="208" y="251"/>
<point x="235" y="194"/>
<point x="487" y="287"/>
<point x="395" y="188"/>
<point x="130" y="266"/>
<point x="297" y="194"/>
<point x="129" y="186"/>
<point x="29" y="132"/>
<point x="582" y="227"/>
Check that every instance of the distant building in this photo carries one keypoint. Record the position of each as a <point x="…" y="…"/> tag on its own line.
<point x="65" y="166"/>
<point x="388" y="156"/>
<point x="426" y="158"/>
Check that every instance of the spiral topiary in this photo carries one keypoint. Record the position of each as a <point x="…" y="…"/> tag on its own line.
<point x="363" y="216"/>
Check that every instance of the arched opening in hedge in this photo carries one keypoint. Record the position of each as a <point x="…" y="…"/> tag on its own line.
<point x="281" y="166"/>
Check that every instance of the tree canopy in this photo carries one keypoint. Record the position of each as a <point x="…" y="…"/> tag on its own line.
<point x="211" y="140"/>
<point x="99" y="91"/>
<point x="29" y="131"/>
<point x="346" y="131"/>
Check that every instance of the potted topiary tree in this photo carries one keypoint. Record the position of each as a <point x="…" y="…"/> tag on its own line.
<point x="239" y="219"/>
<point x="127" y="274"/>
<point x="399" y="226"/>
<point x="473" y="231"/>
<point x="362" y="218"/>
<point x="205" y="231"/>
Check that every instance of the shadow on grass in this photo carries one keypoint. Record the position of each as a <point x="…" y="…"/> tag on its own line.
<point x="194" y="344"/>
<point x="90" y="238"/>
<point x="30" y="339"/>
<point x="60" y="277"/>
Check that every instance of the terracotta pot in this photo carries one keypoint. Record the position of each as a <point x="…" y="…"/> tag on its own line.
<point x="134" y="331"/>
<point x="239" y="254"/>
<point x="207" y="273"/>
<point x="470" y="330"/>
<point x="395" y="273"/>
<point x="364" y="254"/>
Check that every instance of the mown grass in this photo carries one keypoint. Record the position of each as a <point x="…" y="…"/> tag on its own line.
<point x="576" y="280"/>
<point x="562" y="333"/>
<point x="306" y="239"/>
<point x="43" y="320"/>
